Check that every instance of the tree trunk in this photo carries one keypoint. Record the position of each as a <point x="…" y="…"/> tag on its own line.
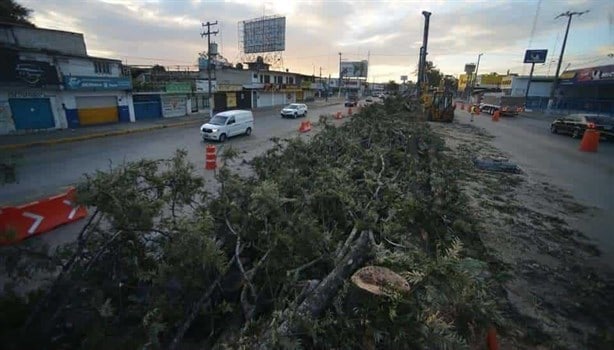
<point x="320" y="298"/>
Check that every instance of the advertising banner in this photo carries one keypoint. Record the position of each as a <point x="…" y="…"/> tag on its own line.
<point x="75" y="82"/>
<point x="589" y="76"/>
<point x="264" y="35"/>
<point x="30" y="73"/>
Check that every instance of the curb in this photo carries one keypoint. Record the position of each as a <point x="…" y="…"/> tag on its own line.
<point x="95" y="136"/>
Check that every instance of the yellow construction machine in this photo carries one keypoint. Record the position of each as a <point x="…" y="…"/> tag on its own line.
<point x="438" y="103"/>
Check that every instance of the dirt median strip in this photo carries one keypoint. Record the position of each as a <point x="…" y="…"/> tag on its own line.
<point x="95" y="135"/>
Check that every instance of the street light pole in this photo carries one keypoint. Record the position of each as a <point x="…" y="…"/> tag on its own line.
<point x="208" y="33"/>
<point x="569" y="15"/>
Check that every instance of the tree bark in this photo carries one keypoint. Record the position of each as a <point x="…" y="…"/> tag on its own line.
<point x="319" y="299"/>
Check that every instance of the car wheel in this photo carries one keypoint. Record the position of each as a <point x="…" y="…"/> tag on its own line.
<point x="553" y="129"/>
<point x="576" y="133"/>
<point x="248" y="131"/>
<point x="222" y="137"/>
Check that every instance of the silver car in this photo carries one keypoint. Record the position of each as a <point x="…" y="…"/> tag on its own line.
<point x="294" y="110"/>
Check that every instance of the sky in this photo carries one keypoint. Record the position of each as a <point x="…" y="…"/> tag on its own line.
<point x="388" y="33"/>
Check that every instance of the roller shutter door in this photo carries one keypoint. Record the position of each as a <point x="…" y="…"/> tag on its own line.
<point x="94" y="110"/>
<point x="147" y="107"/>
<point x="31" y="113"/>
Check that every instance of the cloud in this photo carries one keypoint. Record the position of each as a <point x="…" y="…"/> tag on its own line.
<point x="168" y="31"/>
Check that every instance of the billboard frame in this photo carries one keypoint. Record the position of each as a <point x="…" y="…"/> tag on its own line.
<point x="262" y="35"/>
<point x="354" y="69"/>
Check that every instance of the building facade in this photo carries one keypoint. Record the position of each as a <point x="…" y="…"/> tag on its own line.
<point x="48" y="81"/>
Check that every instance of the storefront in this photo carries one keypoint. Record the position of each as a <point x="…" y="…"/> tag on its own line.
<point x="29" y="93"/>
<point x="587" y="89"/>
<point x="97" y="100"/>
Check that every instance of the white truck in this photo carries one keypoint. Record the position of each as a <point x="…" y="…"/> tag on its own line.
<point x="506" y="105"/>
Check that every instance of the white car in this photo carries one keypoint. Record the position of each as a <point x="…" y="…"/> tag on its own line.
<point x="228" y="124"/>
<point x="294" y="110"/>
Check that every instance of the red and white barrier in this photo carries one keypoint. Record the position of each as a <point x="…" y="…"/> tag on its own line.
<point x="35" y="218"/>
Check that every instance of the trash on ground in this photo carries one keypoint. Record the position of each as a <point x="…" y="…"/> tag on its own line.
<point x="498" y="164"/>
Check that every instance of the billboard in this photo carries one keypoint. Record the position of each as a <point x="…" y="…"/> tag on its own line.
<point x="535" y="56"/>
<point x="356" y="69"/>
<point x="469" y="68"/>
<point x="265" y="34"/>
<point x="589" y="76"/>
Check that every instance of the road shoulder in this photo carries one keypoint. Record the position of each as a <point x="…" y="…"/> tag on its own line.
<point x="553" y="283"/>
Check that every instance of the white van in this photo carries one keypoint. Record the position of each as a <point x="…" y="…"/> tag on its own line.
<point x="227" y="124"/>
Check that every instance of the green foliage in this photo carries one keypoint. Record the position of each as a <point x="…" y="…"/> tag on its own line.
<point x="162" y="241"/>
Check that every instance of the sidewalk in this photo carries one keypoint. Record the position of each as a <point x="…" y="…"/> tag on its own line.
<point x="9" y="142"/>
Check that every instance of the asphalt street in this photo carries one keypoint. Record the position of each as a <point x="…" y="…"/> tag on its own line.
<point x="43" y="171"/>
<point x="556" y="159"/>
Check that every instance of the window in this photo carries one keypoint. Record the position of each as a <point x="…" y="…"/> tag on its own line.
<point x="102" y="67"/>
<point x="261" y="79"/>
<point x="290" y="80"/>
<point x="231" y="121"/>
<point x="255" y="76"/>
<point x="267" y="79"/>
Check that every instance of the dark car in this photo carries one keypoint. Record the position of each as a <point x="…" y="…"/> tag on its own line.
<point x="576" y="124"/>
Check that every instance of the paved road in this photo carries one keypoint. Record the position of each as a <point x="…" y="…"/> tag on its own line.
<point x="45" y="170"/>
<point x="588" y="177"/>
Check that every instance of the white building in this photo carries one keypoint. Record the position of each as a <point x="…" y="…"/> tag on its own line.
<point x="48" y="81"/>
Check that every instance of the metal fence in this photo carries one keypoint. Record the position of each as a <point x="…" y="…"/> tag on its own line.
<point x="567" y="106"/>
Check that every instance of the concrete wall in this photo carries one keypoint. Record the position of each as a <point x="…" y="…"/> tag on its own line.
<point x="85" y="66"/>
<point x="46" y="39"/>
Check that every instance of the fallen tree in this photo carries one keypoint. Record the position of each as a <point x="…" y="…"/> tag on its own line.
<point x="266" y="262"/>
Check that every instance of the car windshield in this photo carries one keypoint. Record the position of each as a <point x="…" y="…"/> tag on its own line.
<point x="218" y="120"/>
<point x="292" y="107"/>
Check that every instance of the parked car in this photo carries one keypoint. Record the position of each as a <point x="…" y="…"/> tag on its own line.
<point x="576" y="124"/>
<point x="351" y="101"/>
<point x="294" y="110"/>
<point x="228" y="124"/>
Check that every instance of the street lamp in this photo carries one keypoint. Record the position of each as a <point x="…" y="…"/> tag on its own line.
<point x="477" y="68"/>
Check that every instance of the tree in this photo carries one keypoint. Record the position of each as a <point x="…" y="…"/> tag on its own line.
<point x="392" y="86"/>
<point x="12" y="12"/>
<point x="433" y="74"/>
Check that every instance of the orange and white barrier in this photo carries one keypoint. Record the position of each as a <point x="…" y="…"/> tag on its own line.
<point x="210" y="157"/>
<point x="338" y="115"/>
<point x="35" y="218"/>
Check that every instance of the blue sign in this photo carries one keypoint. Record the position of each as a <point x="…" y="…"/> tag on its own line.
<point x="74" y="82"/>
<point x="535" y="56"/>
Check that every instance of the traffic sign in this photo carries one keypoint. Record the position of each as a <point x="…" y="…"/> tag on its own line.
<point x="535" y="56"/>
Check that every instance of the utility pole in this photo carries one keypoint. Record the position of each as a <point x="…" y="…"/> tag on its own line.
<point x="320" y="82"/>
<point x="208" y="33"/>
<point x="569" y="15"/>
<point x="340" y="75"/>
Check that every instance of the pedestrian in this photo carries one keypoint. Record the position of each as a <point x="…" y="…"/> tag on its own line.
<point x="472" y="112"/>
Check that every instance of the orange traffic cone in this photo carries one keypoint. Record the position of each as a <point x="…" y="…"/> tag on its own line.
<point x="590" y="141"/>
<point x="338" y="115"/>
<point x="210" y="158"/>
<point x="495" y="116"/>
<point x="305" y="126"/>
